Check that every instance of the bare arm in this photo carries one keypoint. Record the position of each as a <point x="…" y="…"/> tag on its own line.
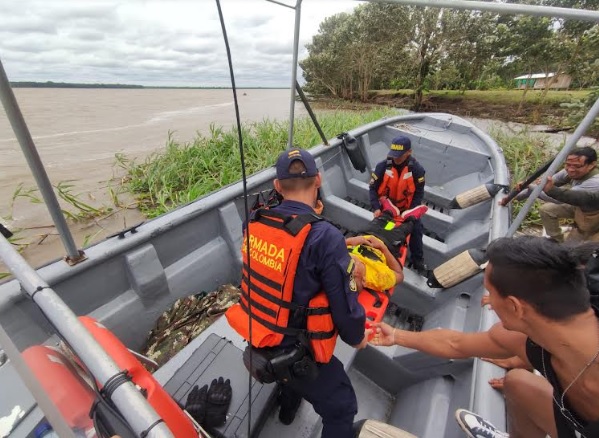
<point x="496" y="343"/>
<point x="508" y="364"/>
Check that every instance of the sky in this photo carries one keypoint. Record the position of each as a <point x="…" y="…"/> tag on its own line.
<point x="158" y="43"/>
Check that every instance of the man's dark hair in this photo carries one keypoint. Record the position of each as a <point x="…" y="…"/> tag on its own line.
<point x="587" y="152"/>
<point x="542" y="272"/>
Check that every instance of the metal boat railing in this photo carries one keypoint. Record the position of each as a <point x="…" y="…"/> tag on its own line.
<point x="133" y="406"/>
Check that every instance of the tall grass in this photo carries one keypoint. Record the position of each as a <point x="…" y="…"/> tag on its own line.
<point x="524" y="153"/>
<point x="185" y="171"/>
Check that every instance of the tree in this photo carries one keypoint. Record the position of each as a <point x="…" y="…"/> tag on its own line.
<point x="383" y="45"/>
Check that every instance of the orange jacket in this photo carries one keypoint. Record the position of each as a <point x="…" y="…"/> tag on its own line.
<point x="276" y="243"/>
<point x="399" y="188"/>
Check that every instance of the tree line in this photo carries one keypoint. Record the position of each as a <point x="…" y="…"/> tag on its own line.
<point x="386" y="46"/>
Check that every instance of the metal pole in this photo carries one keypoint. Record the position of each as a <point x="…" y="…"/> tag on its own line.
<point x="559" y="159"/>
<point x="130" y="402"/>
<point x="502" y="8"/>
<point x="312" y="115"/>
<point x="298" y="13"/>
<point x="13" y="112"/>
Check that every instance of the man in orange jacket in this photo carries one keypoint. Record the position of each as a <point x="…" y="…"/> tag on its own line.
<point x="400" y="180"/>
<point x="323" y="267"/>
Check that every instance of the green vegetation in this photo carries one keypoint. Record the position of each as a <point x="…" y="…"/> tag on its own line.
<point x="80" y="211"/>
<point x="185" y="171"/>
<point x="385" y="46"/>
<point x="524" y="153"/>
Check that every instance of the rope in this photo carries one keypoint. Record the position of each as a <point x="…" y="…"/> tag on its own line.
<point x="245" y="204"/>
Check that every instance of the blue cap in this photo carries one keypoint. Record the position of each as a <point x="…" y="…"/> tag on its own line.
<point x="399" y="146"/>
<point x="296" y="154"/>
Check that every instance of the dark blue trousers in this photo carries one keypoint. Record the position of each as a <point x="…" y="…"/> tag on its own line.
<point x="416" y="250"/>
<point x="332" y="397"/>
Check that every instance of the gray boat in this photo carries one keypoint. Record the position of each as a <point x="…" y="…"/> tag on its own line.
<point x="127" y="281"/>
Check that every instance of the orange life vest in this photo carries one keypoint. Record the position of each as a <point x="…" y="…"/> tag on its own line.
<point x="398" y="187"/>
<point x="276" y="242"/>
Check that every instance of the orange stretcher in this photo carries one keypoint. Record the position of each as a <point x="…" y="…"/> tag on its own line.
<point x="375" y="302"/>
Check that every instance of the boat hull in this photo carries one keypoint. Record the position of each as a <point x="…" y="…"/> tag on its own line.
<point x="126" y="283"/>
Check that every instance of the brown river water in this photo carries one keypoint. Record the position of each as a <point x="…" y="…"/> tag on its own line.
<point x="79" y="131"/>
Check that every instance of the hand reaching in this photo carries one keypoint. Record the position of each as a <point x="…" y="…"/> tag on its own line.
<point x="384" y="335"/>
<point x="367" y="335"/>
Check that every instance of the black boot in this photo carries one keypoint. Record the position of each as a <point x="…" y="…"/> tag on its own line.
<point x="290" y="402"/>
<point x="420" y="267"/>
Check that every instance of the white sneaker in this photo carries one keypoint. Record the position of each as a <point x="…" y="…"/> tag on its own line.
<point x="477" y="427"/>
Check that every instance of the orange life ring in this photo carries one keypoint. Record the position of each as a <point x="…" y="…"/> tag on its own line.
<point x="174" y="417"/>
<point x="65" y="387"/>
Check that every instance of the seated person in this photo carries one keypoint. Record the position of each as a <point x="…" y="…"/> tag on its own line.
<point x="581" y="174"/>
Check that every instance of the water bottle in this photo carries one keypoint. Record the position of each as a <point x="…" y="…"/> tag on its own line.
<point x="44" y="430"/>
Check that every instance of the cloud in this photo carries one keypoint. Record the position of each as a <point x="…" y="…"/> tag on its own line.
<point x="155" y="42"/>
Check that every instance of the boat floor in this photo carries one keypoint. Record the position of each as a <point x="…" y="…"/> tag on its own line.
<point x="215" y="356"/>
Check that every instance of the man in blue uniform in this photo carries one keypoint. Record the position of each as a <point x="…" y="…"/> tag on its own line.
<point x="400" y="179"/>
<point x="324" y="265"/>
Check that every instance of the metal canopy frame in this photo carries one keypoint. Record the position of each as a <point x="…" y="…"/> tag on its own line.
<point x="540" y="11"/>
<point x="134" y="407"/>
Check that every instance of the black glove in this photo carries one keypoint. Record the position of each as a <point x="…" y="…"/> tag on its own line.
<point x="196" y="403"/>
<point x="219" y="399"/>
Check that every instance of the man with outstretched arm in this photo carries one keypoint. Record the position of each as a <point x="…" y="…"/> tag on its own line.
<point x="299" y="280"/>
<point x="538" y="289"/>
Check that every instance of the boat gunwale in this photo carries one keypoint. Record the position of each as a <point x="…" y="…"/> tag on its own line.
<point x="57" y="271"/>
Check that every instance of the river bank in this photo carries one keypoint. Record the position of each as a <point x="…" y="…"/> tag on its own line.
<point x="99" y="181"/>
<point x="555" y="111"/>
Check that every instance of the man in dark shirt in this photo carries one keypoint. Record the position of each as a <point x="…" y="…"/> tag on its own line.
<point x="539" y="291"/>
<point x="324" y="265"/>
<point x="400" y="179"/>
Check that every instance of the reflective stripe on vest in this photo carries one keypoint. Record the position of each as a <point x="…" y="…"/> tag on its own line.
<point x="276" y="242"/>
<point x="399" y="188"/>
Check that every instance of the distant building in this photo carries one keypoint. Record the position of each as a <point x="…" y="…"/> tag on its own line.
<point x="540" y="80"/>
